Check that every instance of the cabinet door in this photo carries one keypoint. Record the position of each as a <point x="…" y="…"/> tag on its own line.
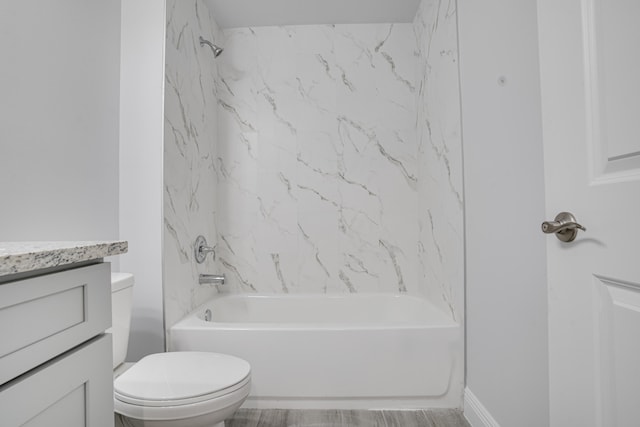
<point x="73" y="390"/>
<point x="44" y="316"/>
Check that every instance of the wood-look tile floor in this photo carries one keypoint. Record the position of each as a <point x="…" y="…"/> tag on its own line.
<point x="346" y="418"/>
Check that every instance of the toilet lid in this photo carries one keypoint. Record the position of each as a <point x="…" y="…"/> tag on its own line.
<point x="180" y="377"/>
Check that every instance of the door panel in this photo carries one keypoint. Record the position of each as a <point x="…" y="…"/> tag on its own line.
<point x="589" y="59"/>
<point x="612" y="89"/>
<point x="618" y="347"/>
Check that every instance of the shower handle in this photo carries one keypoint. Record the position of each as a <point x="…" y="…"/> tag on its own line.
<point x="201" y="249"/>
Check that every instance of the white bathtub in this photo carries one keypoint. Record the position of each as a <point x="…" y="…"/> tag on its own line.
<point x="333" y="351"/>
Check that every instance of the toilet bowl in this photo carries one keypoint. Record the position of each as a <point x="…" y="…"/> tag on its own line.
<point x="173" y="389"/>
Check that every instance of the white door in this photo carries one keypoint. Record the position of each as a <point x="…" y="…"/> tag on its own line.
<point x="590" y="76"/>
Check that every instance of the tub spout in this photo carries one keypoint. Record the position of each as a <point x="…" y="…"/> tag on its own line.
<point x="214" y="279"/>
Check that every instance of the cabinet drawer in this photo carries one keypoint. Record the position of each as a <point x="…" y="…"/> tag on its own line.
<point x="42" y="317"/>
<point x="73" y="390"/>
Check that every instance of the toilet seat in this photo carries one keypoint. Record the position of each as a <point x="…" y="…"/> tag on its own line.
<point x="169" y="386"/>
<point x="140" y="401"/>
<point x="227" y="402"/>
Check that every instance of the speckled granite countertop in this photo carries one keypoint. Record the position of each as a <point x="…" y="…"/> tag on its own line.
<point x="20" y="257"/>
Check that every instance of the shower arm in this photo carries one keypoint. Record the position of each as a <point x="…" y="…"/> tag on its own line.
<point x="207" y="42"/>
<point x="215" y="49"/>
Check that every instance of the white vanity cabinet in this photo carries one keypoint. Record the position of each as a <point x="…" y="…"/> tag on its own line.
<point x="55" y="358"/>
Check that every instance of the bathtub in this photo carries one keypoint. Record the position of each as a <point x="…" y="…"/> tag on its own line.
<point x="333" y="351"/>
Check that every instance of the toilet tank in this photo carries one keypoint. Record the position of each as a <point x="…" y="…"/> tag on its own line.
<point x="121" y="302"/>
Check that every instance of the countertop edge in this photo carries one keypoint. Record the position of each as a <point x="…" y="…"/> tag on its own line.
<point x="21" y="257"/>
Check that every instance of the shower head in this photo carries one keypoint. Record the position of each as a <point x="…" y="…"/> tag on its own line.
<point x="217" y="50"/>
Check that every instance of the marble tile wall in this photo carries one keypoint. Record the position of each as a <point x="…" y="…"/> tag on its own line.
<point x="190" y="150"/>
<point x="322" y="158"/>
<point x="439" y="157"/>
<point x="318" y="159"/>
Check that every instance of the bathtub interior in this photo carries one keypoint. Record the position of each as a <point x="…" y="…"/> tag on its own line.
<point x="324" y="309"/>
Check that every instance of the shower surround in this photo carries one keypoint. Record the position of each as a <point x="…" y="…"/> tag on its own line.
<point x="316" y="158"/>
<point x="190" y="150"/>
<point x="339" y="159"/>
<point x="439" y="139"/>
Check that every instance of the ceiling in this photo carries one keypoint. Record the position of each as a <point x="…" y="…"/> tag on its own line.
<point x="257" y="13"/>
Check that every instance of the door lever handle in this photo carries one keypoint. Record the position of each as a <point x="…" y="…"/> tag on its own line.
<point x="564" y="226"/>
<point x="557" y="226"/>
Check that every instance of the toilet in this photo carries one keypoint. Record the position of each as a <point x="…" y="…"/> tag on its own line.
<point x="185" y="389"/>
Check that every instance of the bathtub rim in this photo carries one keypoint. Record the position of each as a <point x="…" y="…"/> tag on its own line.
<point x="193" y="320"/>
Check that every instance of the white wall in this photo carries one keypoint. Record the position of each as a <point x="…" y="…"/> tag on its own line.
<point x="141" y="150"/>
<point x="59" y="103"/>
<point x="507" y="367"/>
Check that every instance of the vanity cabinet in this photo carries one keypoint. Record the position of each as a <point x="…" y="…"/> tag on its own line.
<point x="55" y="358"/>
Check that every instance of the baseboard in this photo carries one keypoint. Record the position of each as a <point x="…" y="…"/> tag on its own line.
<point x="476" y="413"/>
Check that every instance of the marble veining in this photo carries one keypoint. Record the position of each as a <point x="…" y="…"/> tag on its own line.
<point x="317" y="155"/>
<point x="190" y="147"/>
<point x="20" y="257"/>
<point x="438" y="124"/>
